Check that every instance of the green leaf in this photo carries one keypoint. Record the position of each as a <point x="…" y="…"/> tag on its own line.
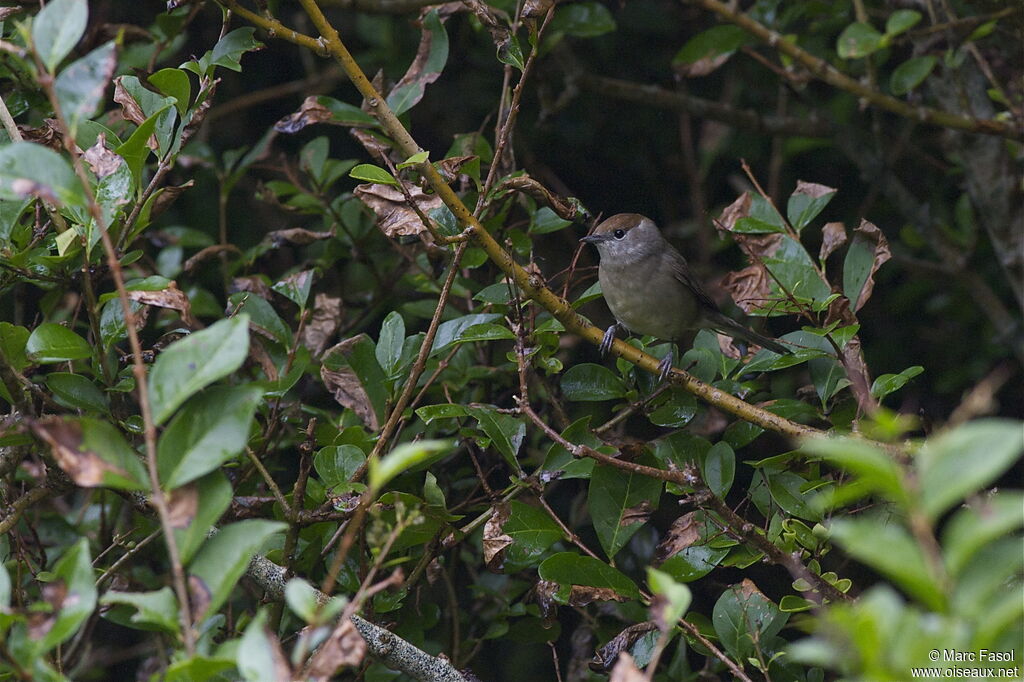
<point x="191" y="364"/>
<point x="77" y="392"/>
<point x="987" y="519"/>
<point x="158" y="609"/>
<point x="214" y="493"/>
<point x="430" y="60"/>
<point x="715" y="42"/>
<point x="343" y="113"/>
<point x="80" y="87"/>
<point x="429" y="413"/>
<point x="796" y="271"/>
<point x="405" y="457"/>
<point x="620" y="503"/>
<point x="885" y="384"/>
<point x="255" y="656"/>
<point x="371" y="173"/>
<point x="296" y="287"/>
<point x="209" y="430"/>
<point x="873" y="468"/>
<point x="13" y="342"/>
<point x="588" y="382"/>
<point x="677" y="597"/>
<point x="359" y="354"/>
<point x="511" y="53"/>
<point x="390" y="343"/>
<point x="224" y="558"/>
<point x="743" y="618"/>
<point x="807" y="202"/>
<point x="569" y="568"/>
<point x="57" y="29"/>
<point x="335" y="464"/>
<point x="887" y="547"/>
<point x="505" y="431"/>
<point x="51" y="342"/>
<point x="450" y="332"/>
<point x="582" y="19"/>
<point x="74" y="570"/>
<point x="911" y="73"/>
<point x="301" y="598"/>
<point x="545" y="220"/>
<point x="262" y="316"/>
<point x="960" y="462"/>
<point x="29" y="169"/>
<point x="858" y="40"/>
<point x="693" y="562"/>
<point x="751" y="225"/>
<point x="135" y="149"/>
<point x="93" y="452"/>
<point x="719" y="468"/>
<point x="532" y="532"/>
<point x="229" y="49"/>
<point x="901" y="20"/>
<point x="174" y="83"/>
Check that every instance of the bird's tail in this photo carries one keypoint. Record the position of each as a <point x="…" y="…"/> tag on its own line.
<point x="731" y="327"/>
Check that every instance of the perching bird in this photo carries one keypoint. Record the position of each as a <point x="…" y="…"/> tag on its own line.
<point x="650" y="289"/>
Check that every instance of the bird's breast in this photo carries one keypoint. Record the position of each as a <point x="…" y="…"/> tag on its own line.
<point x="648" y="299"/>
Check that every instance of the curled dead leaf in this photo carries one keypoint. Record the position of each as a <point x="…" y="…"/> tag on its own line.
<point x="172" y="297"/>
<point x="813" y="189"/>
<point x="348" y="392"/>
<point x="323" y="323"/>
<point x="750" y="287"/>
<point x="684" y="532"/>
<point x="130" y="109"/>
<point x="183" y="505"/>
<point x="47" y="134"/>
<point x="536" y="9"/>
<point x="85" y="467"/>
<point x="495" y="540"/>
<point x="833" y="235"/>
<point x="395" y="217"/>
<point x="345" y="648"/>
<point x="199" y="596"/>
<point x="868" y="232"/>
<point x="296" y="235"/>
<point x="701" y="67"/>
<point x="100" y="160"/>
<point x="581" y="595"/>
<point x="638" y="514"/>
<point x="309" y="113"/>
<point x="165" y="197"/>
<point x="606" y="655"/>
<point x="625" y="670"/>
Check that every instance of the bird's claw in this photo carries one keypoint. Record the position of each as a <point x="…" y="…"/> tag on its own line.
<point x="665" y="367"/>
<point x="608" y="340"/>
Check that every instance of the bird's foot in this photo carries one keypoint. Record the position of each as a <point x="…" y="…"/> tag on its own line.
<point x="665" y="367"/>
<point x="609" y="339"/>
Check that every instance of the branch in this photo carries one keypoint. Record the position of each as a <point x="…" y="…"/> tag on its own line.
<point x="828" y="73"/>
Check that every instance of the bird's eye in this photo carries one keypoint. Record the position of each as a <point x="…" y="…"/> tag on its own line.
<point x="619" y="234"/>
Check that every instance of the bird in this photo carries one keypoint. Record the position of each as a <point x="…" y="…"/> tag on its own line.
<point x="650" y="289"/>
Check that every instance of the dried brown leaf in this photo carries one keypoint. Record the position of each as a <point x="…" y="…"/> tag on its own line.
<point x="638" y="514"/>
<point x="254" y="284"/>
<point x="581" y="595"/>
<point x="85" y="467"/>
<point x="749" y="287"/>
<point x="344" y="648"/>
<point x="205" y="253"/>
<point x="296" y="235"/>
<point x="55" y="593"/>
<point x="199" y="596"/>
<point x="309" y="113"/>
<point x="683" y="533"/>
<point x="172" y="297"/>
<point x="625" y="670"/>
<point x="130" y="109"/>
<point x="345" y="386"/>
<point x="812" y="189"/>
<point x="323" y="323"/>
<point x="606" y="655"/>
<point x="733" y="212"/>
<point x="870" y="233"/>
<point x="495" y="540"/>
<point x="47" y="134"/>
<point x="701" y="67"/>
<point x="451" y="167"/>
<point x="258" y="353"/>
<point x="536" y="9"/>
<point x="182" y="505"/>
<point x="833" y="235"/>
<point x="101" y="160"/>
<point x="395" y="217"/>
<point x="375" y="145"/>
<point x="165" y="197"/>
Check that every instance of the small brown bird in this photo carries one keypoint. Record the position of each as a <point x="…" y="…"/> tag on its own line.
<point x="650" y="290"/>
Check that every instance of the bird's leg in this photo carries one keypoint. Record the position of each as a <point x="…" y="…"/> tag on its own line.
<point x="609" y="339"/>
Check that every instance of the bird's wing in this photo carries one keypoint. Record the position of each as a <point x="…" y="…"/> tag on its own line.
<point x="681" y="270"/>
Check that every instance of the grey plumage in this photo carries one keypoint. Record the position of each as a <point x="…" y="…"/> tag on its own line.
<point x="650" y="289"/>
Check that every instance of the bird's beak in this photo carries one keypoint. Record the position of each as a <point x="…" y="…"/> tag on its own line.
<point x="595" y="238"/>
